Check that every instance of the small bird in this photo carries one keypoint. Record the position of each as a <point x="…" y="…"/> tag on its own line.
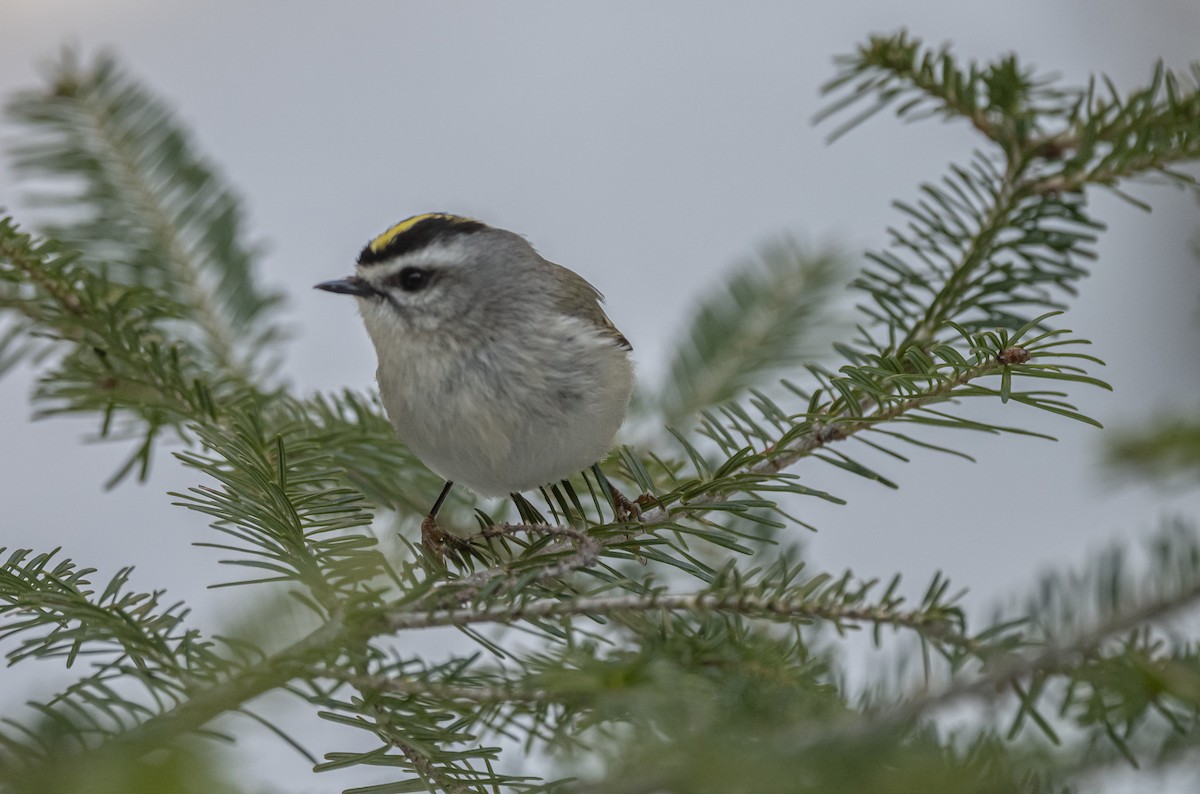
<point x="499" y="369"/>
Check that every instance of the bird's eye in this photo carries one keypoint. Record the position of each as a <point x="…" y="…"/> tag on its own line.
<point x="411" y="279"/>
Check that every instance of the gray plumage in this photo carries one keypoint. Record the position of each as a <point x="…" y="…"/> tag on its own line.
<point x="498" y="368"/>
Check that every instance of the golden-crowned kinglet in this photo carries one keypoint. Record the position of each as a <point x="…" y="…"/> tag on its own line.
<point x="497" y="368"/>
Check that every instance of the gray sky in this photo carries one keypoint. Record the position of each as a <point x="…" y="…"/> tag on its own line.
<point x="646" y="146"/>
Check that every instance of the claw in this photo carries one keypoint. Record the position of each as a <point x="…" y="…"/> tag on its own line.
<point x="623" y="508"/>
<point x="441" y="544"/>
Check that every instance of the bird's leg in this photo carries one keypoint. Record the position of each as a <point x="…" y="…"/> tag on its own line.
<point x="623" y="509"/>
<point x="432" y="536"/>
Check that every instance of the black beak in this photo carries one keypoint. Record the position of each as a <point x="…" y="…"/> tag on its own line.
<point x="351" y="285"/>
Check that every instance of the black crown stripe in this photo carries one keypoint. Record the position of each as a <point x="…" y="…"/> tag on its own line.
<point x="416" y="233"/>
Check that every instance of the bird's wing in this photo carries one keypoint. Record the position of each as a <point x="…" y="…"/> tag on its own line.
<point x="580" y="299"/>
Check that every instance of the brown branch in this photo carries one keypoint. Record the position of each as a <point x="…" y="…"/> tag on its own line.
<point x="1002" y="674"/>
<point x="471" y="694"/>
<point x="838" y="429"/>
<point x="587" y="552"/>
<point x="588" y="548"/>
<point x="747" y="605"/>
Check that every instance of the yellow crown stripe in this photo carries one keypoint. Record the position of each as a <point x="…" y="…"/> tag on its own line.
<point x="382" y="241"/>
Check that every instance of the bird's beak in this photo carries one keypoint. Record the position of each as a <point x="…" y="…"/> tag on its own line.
<point x="351" y="285"/>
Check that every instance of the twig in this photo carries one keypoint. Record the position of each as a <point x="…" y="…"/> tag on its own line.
<point x="780" y="458"/>
<point x="417" y="688"/>
<point x="825" y="432"/>
<point x="748" y="605"/>
<point x="206" y="704"/>
<point x="1002" y="674"/>
<point x="587" y="551"/>
<point x="421" y="762"/>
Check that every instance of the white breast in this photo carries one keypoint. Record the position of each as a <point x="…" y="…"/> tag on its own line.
<point x="504" y="420"/>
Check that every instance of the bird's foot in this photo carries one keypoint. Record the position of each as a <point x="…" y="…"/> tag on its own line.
<point x="623" y="508"/>
<point x="439" y="543"/>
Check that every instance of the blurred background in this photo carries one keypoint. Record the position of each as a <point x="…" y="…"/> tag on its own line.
<point x="648" y="147"/>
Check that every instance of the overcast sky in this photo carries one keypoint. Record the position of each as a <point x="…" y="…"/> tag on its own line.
<point x="647" y="146"/>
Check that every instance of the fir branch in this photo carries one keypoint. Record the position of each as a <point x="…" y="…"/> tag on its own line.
<point x="40" y="593"/>
<point x="981" y="250"/>
<point x="1168" y="448"/>
<point x="1001" y="100"/>
<point x="893" y="390"/>
<point x="1113" y="675"/>
<point x="119" y="360"/>
<point x="155" y="213"/>
<point x="1112" y="138"/>
<point x="444" y="692"/>
<point x="1067" y="656"/>
<point x="49" y="605"/>
<point x="763" y="320"/>
<point x="691" y="603"/>
<point x="956" y="308"/>
<point x="306" y="658"/>
<point x="121" y="364"/>
<point x="587" y="550"/>
<point x="1097" y="142"/>
<point x="826" y="432"/>
<point x="453" y="776"/>
<point x="887" y="391"/>
<point x="204" y="705"/>
<point x="283" y="506"/>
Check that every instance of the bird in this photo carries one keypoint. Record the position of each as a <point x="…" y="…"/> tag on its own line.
<point x="498" y="368"/>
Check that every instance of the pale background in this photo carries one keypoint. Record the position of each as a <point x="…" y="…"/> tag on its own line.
<point x="646" y="146"/>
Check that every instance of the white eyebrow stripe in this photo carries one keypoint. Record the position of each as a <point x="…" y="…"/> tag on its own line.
<point x="441" y="254"/>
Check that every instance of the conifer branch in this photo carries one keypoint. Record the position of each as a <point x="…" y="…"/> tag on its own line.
<point x="1002" y="672"/>
<point x="155" y="324"/>
<point x="204" y="705"/>
<point x="154" y="214"/>
<point x="826" y="429"/>
<point x="692" y="603"/>
<point x="1167" y="449"/>
<point x="764" y="320"/>
<point x="430" y="773"/>
<point x="444" y="692"/>
<point x="824" y="433"/>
